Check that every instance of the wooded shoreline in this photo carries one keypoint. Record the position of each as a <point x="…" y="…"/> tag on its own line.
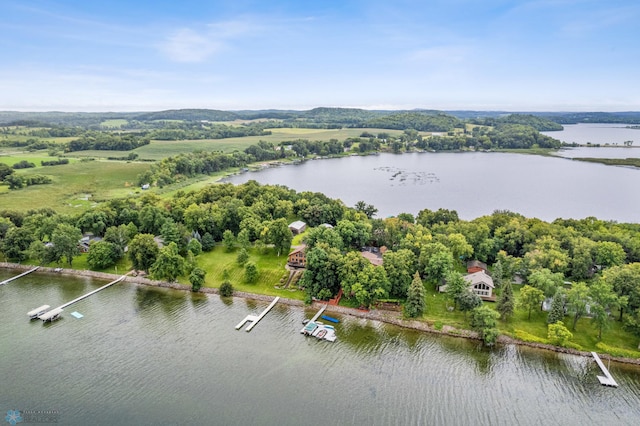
<point x="389" y="317"/>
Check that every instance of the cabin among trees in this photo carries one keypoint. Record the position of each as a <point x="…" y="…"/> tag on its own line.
<point x="298" y="258"/>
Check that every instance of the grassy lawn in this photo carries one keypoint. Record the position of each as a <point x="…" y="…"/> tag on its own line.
<point x="75" y="185"/>
<point x="11" y="158"/>
<point x="271" y="269"/>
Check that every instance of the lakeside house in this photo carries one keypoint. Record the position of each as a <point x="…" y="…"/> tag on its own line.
<point x="85" y="242"/>
<point x="297" y="258"/>
<point x="297" y="227"/>
<point x="480" y="283"/>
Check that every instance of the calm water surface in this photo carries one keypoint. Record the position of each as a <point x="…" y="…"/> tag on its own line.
<point x="474" y="184"/>
<point x="146" y="356"/>
<point x="597" y="133"/>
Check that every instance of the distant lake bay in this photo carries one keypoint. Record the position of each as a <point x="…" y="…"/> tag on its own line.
<point x="474" y="184"/>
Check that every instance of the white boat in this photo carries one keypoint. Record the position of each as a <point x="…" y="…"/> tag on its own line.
<point x="35" y="313"/>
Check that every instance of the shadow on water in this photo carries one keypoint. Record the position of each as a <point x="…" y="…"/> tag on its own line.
<point x="228" y="301"/>
<point x="198" y="300"/>
<point x="151" y="299"/>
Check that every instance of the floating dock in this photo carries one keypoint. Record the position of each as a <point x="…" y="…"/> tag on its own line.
<point x="255" y="319"/>
<point x="607" y="380"/>
<point x="55" y="313"/>
<point x="18" y="276"/>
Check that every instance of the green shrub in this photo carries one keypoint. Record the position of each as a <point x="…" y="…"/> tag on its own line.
<point x="625" y="353"/>
<point x="226" y="289"/>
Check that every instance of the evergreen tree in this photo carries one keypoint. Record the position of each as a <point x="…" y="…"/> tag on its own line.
<point x="498" y="274"/>
<point x="243" y="256"/>
<point x="415" y="298"/>
<point x="506" y="301"/>
<point x="557" y="307"/>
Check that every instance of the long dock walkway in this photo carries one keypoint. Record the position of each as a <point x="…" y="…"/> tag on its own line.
<point x="55" y="313"/>
<point x="18" y="276"/>
<point x="607" y="380"/>
<point x="255" y="319"/>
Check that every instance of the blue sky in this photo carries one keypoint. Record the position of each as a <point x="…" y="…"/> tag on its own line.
<point x="567" y="55"/>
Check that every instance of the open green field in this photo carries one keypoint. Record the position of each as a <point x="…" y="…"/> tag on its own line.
<point x="158" y="150"/>
<point x="11" y="158"/>
<point x="75" y="186"/>
<point x="113" y="124"/>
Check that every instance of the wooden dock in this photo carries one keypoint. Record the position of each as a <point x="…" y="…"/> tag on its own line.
<point x="255" y="319"/>
<point x="607" y="380"/>
<point x="18" y="276"/>
<point x="55" y="313"/>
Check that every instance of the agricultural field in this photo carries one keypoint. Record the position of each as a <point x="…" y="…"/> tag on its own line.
<point x="77" y="185"/>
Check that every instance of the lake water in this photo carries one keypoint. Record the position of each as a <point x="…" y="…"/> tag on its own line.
<point x="146" y="356"/>
<point x="596" y="133"/>
<point x="473" y="183"/>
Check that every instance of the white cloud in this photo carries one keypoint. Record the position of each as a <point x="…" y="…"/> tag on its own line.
<point x="185" y="45"/>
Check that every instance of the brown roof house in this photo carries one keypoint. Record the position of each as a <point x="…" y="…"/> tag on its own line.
<point x="476" y="266"/>
<point x="298" y="258"/>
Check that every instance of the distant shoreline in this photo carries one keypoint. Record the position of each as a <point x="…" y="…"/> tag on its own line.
<point x="389" y="317"/>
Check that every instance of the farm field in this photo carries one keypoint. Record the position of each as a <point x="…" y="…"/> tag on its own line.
<point x="75" y="186"/>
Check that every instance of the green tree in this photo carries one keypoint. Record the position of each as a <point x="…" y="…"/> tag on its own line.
<point x="603" y="300"/>
<point x="119" y="236"/>
<point x="102" y="254"/>
<point x="40" y="252"/>
<point x="226" y="289"/>
<point x="194" y="246"/>
<point x="578" y="299"/>
<point x="498" y="274"/>
<point x="457" y="286"/>
<point x="5" y="170"/>
<point x="228" y="240"/>
<point x="557" y="307"/>
<point x="485" y="321"/>
<point x="415" y="305"/>
<point x="169" y="264"/>
<point x="530" y="297"/>
<point x="280" y="235"/>
<point x="65" y="240"/>
<point x="16" y="242"/>
<point x="468" y="301"/>
<point x="558" y="334"/>
<point x="625" y="280"/>
<point x="250" y="272"/>
<point x="243" y="256"/>
<point x="208" y="242"/>
<point x="609" y="253"/>
<point x="399" y="266"/>
<point x="196" y="278"/>
<point x="372" y="284"/>
<point x="506" y="301"/>
<point x="545" y="280"/>
<point x="322" y="270"/>
<point x="436" y="260"/>
<point x="143" y="252"/>
<point x="244" y="239"/>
